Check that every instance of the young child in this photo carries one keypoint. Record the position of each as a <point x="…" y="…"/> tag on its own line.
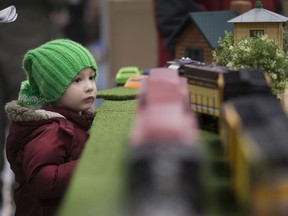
<point x="50" y="123"/>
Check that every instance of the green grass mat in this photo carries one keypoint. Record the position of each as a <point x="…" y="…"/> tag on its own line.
<point x="118" y="93"/>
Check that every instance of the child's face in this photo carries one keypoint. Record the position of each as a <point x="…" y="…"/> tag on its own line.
<point x="81" y="93"/>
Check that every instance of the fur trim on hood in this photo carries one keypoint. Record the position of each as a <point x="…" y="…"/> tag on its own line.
<point x="18" y="113"/>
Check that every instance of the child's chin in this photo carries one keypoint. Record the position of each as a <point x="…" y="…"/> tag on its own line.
<point x="87" y="108"/>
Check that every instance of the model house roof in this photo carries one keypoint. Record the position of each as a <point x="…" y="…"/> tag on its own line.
<point x="211" y="24"/>
<point x="259" y="15"/>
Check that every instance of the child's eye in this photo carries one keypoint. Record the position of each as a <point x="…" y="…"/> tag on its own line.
<point x="92" y="77"/>
<point x="77" y="80"/>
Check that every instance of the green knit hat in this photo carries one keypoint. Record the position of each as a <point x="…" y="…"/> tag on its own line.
<point x="50" y="68"/>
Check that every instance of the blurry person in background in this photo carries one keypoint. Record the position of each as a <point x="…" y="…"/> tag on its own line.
<point x="170" y="13"/>
<point x="84" y="22"/>
<point x="75" y="29"/>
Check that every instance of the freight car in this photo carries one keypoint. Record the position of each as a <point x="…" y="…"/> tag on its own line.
<point x="255" y="138"/>
<point x="210" y="85"/>
<point x="165" y="155"/>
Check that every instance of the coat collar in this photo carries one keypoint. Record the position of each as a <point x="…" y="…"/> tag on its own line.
<point x="84" y="120"/>
<point x="18" y="113"/>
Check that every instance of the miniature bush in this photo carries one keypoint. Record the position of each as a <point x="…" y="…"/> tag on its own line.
<point x="256" y="52"/>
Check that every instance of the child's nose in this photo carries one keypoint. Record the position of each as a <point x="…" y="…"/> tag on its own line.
<point x="90" y="85"/>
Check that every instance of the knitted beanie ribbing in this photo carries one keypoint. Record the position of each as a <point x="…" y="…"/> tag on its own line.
<point x="50" y="68"/>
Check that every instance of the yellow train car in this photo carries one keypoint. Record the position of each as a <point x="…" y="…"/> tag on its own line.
<point x="210" y="85"/>
<point x="254" y="132"/>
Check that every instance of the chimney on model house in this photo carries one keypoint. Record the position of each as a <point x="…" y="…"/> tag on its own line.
<point x="240" y="6"/>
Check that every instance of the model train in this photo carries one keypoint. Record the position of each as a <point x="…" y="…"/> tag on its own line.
<point x="165" y="161"/>
<point x="210" y="85"/>
<point x="255" y="138"/>
<point x="253" y="127"/>
<point x="165" y="157"/>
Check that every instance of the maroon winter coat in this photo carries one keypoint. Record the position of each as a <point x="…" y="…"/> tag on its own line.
<point x="42" y="148"/>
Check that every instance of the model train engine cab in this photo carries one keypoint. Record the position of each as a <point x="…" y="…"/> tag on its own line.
<point x="210" y="85"/>
<point x="165" y="157"/>
<point x="255" y="138"/>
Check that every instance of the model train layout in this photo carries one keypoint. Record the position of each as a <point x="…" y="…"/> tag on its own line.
<point x="251" y="124"/>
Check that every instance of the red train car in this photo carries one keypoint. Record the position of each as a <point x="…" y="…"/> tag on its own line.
<point x="165" y="157"/>
<point x="163" y="109"/>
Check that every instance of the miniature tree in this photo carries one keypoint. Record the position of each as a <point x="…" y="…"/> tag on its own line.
<point x="285" y="39"/>
<point x="256" y="52"/>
